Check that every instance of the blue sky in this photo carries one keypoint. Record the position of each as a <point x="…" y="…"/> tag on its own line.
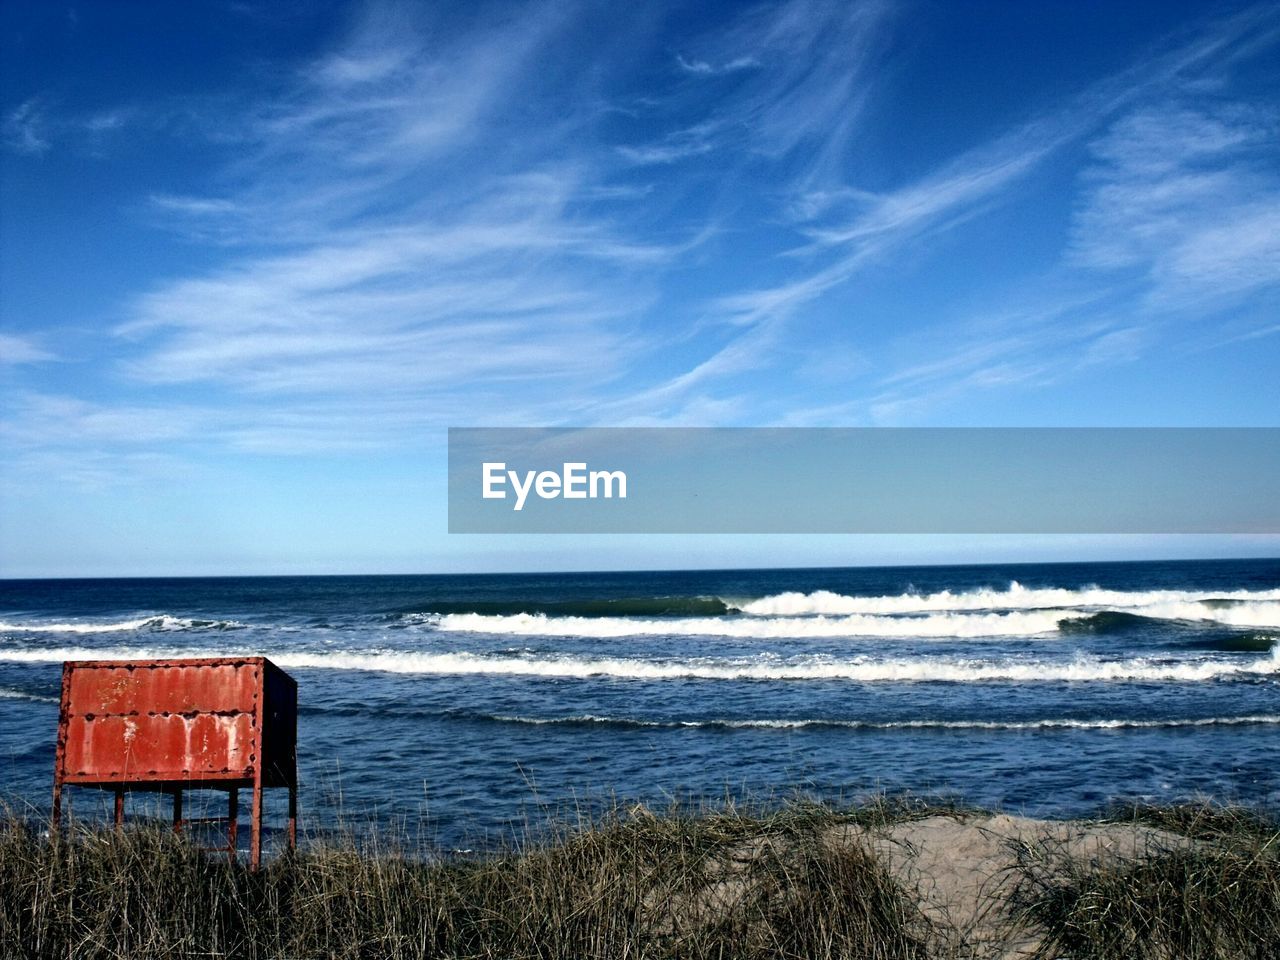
<point x="255" y="258"/>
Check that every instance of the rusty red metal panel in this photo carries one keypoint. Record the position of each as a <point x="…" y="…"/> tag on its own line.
<point x="165" y="687"/>
<point x="165" y="746"/>
<point x="224" y="722"/>
<point x="177" y="720"/>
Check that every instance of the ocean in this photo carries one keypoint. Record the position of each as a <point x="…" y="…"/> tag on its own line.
<point x="471" y="706"/>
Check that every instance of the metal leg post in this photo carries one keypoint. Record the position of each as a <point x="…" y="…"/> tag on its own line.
<point x="293" y="817"/>
<point x="233" y="822"/>
<point x="255" y="826"/>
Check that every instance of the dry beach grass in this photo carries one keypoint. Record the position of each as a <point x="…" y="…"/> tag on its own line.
<point x="881" y="880"/>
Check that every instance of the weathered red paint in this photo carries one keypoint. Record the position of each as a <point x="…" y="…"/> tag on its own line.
<point x="223" y="723"/>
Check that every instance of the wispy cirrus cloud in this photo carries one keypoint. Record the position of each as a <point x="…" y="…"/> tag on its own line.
<point x="789" y="75"/>
<point x="701" y="68"/>
<point x="38" y="421"/>
<point x="438" y="268"/>
<point x="25" y="128"/>
<point x="512" y="288"/>
<point x="961" y="186"/>
<point x="1188" y="196"/>
<point x="35" y="126"/>
<point x="1035" y="347"/>
<point x="15" y="350"/>
<point x="694" y="141"/>
<point x="475" y="216"/>
<point x="422" y="217"/>
<point x="388" y="123"/>
<point x="1177" y="219"/>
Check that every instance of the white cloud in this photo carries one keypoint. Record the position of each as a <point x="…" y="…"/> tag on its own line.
<point x="702" y="68"/>
<point x="1130" y="222"/>
<point x="15" y="350"/>
<point x="106" y="120"/>
<point x="1187" y="195"/>
<point x="422" y="229"/>
<point x="195" y="206"/>
<point x="678" y="145"/>
<point x="25" y="128"/>
<point x="805" y="68"/>
<point x="34" y="127"/>
<point x="43" y="419"/>
<point x="405" y="254"/>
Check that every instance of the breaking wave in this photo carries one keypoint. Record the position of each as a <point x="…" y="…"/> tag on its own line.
<point x="1248" y="641"/>
<point x="1175" y="604"/>
<point x="1013" y="612"/>
<point x="619" y="607"/>
<point x="1108" y="621"/>
<point x="1231" y="613"/>
<point x="1017" y="624"/>
<point x="158" y="622"/>
<point x="809" y="668"/>
<point x="1015" y="597"/>
<point x="800" y="617"/>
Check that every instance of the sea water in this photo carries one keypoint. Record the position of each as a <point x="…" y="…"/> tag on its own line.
<point x="467" y="704"/>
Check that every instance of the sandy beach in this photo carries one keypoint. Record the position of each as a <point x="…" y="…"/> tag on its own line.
<point x="966" y="872"/>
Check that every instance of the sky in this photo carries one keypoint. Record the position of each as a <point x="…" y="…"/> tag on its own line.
<point x="257" y="257"/>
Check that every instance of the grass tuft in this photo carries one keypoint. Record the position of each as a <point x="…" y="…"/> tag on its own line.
<point x="1212" y="895"/>
<point x="631" y="884"/>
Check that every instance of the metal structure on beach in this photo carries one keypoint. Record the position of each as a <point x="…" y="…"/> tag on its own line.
<point x="168" y="726"/>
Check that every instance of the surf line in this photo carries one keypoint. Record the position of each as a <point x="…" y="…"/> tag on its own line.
<point x="573" y="482"/>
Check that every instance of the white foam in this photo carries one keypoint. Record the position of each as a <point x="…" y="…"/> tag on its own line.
<point x="864" y="669"/>
<point x="992" y="725"/>
<point x="117" y="626"/>
<point x="822" y="614"/>
<point x="861" y="669"/>
<point x="1255" y="613"/>
<point x="61" y="654"/>
<point x="940" y="625"/>
<point x="157" y="622"/>
<point x="1015" y="597"/>
<point x="7" y="694"/>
